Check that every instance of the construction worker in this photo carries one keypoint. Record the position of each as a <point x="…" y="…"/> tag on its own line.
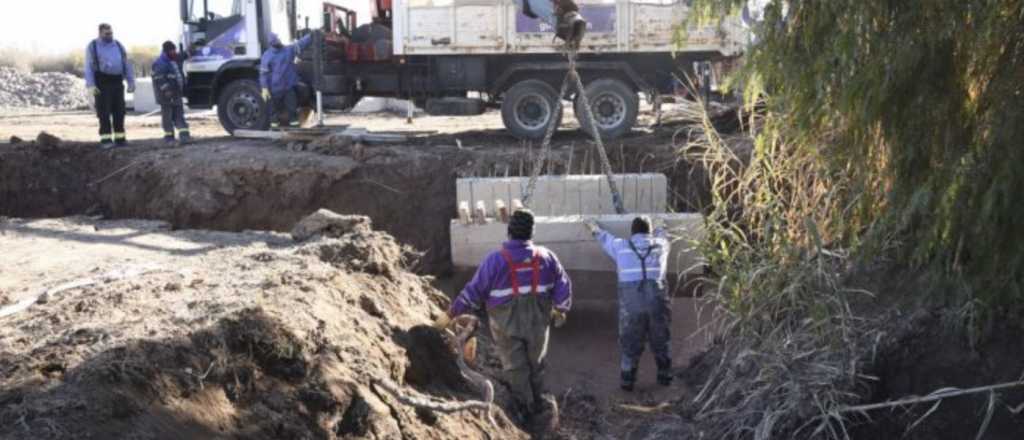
<point x="279" y="78"/>
<point x="168" y="87"/>
<point x="563" y="15"/>
<point x="645" y="313"/>
<point x="525" y="291"/>
<point x="106" y="69"/>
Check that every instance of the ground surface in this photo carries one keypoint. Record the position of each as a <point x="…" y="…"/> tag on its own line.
<point x="155" y="284"/>
<point x="135" y="331"/>
<point x="171" y="327"/>
<point x="237" y="185"/>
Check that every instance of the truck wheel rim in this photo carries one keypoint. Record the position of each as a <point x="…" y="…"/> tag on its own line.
<point x="244" y="110"/>
<point x="609" y="110"/>
<point x="533" y="111"/>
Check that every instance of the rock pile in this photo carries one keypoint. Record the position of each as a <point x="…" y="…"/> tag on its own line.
<point x="50" y="91"/>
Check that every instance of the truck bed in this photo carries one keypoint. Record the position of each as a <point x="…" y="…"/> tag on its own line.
<point x="459" y="27"/>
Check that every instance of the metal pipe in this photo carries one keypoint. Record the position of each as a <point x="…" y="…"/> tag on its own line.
<point x="319" y="109"/>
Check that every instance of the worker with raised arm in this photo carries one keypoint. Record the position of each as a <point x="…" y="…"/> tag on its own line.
<point x="168" y="87"/>
<point x="107" y="68"/>
<point x="563" y="15"/>
<point x="525" y="290"/>
<point x="279" y="78"/>
<point x="645" y="309"/>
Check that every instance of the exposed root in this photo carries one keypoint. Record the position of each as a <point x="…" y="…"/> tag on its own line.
<point x="414" y="399"/>
<point x="465" y="327"/>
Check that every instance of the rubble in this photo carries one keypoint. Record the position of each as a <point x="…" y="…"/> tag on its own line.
<point x="45" y="91"/>
<point x="330" y="224"/>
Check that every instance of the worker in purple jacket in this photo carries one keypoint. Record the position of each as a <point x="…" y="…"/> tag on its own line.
<point x="525" y="291"/>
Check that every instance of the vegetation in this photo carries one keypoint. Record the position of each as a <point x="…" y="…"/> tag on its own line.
<point x="73" y="62"/>
<point x="887" y="135"/>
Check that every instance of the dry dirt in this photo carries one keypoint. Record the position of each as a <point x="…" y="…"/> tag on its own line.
<point x="231" y="184"/>
<point x="148" y="304"/>
<point x="144" y="332"/>
<point x="147" y="333"/>
<point x="164" y="328"/>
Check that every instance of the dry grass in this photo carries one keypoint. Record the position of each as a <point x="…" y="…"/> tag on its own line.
<point x="792" y="349"/>
<point x="72" y="62"/>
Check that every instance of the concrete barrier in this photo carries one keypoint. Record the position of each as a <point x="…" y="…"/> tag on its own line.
<point x="569" y="195"/>
<point x="144" y="98"/>
<point x="576" y="248"/>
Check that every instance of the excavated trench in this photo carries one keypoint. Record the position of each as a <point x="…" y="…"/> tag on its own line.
<point x="409" y="191"/>
<point x="234" y="185"/>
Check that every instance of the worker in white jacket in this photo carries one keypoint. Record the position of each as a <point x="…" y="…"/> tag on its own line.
<point x="645" y="309"/>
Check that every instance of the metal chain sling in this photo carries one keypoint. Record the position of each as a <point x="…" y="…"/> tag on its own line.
<point x="545" y="148"/>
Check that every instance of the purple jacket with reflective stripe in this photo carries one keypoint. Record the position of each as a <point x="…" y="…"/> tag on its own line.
<point x="492" y="286"/>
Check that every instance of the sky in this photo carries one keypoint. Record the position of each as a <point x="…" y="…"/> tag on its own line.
<point x="71" y="24"/>
<point x="58" y="26"/>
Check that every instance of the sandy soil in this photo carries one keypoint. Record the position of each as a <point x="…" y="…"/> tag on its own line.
<point x="81" y="126"/>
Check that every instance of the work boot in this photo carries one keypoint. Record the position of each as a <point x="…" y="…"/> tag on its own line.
<point x="184" y="139"/>
<point x="544" y="419"/>
<point x="665" y="373"/>
<point x="628" y="380"/>
<point x="169" y="141"/>
<point x="571" y="28"/>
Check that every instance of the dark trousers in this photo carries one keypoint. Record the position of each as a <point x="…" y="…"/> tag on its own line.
<point x="645" y="316"/>
<point x="285" y="107"/>
<point x="521" y="329"/>
<point x="174" y="117"/>
<point x="110" y="107"/>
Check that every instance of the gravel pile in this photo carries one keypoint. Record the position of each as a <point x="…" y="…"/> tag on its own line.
<point x="51" y="91"/>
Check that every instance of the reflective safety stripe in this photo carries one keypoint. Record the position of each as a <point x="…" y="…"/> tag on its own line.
<point x="183" y="130"/>
<point x="106" y="137"/>
<point x="169" y="133"/>
<point x="501" y="293"/>
<point x="652" y="272"/>
<point x="119" y="136"/>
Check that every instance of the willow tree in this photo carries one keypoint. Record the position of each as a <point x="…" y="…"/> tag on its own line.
<point x="918" y="108"/>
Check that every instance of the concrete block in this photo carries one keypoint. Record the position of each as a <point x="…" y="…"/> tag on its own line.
<point x="569" y="238"/>
<point x="570" y="195"/>
<point x="144" y="98"/>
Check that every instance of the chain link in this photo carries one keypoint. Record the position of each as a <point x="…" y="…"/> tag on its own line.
<point x="545" y="147"/>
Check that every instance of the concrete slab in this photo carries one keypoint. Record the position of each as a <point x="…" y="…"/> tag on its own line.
<point x="570" y="195"/>
<point x="568" y="237"/>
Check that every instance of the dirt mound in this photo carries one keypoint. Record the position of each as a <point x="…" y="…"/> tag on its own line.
<point x="50" y="91"/>
<point x="227" y="336"/>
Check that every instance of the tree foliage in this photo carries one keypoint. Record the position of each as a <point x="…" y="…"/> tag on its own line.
<point x="914" y="111"/>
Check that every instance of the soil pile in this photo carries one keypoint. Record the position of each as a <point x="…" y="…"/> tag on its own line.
<point x="226" y="335"/>
<point x="48" y="91"/>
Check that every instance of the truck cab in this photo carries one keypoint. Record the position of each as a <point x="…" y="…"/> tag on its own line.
<point x="222" y="41"/>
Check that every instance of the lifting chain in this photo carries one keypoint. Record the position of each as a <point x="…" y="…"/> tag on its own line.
<point x="545" y="147"/>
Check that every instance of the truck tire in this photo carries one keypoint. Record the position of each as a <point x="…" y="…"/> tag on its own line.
<point x="240" y="106"/>
<point x="615" y="106"/>
<point x="527" y="109"/>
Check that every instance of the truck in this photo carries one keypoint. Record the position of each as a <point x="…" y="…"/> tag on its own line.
<point x="450" y="57"/>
